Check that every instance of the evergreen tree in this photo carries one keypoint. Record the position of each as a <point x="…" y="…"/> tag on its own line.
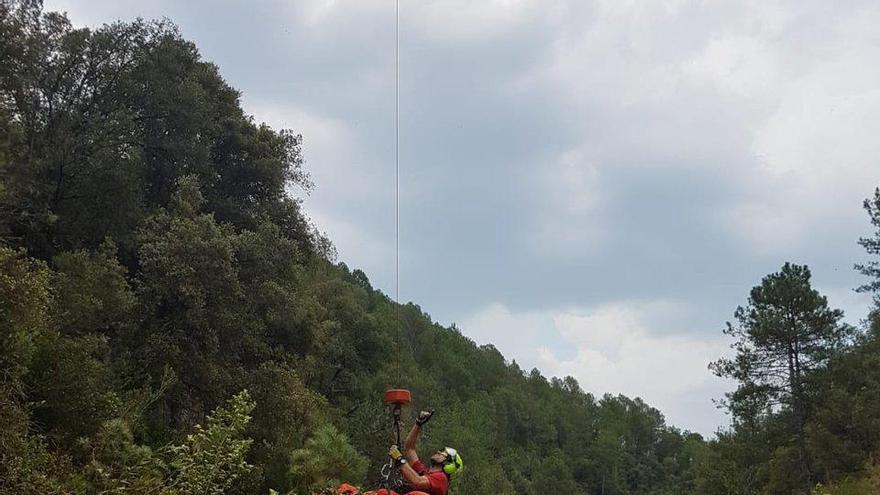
<point x="326" y="459"/>
<point x="784" y="333"/>
<point x="872" y="246"/>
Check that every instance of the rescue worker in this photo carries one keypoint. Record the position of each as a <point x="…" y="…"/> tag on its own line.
<point x="432" y="479"/>
<point x="422" y="480"/>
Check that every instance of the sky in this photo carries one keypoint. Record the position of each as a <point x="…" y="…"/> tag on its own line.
<point x="590" y="186"/>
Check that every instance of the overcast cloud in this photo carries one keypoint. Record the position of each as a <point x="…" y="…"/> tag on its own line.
<point x="591" y="186"/>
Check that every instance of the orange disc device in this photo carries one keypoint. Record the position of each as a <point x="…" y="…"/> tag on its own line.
<point x="397" y="396"/>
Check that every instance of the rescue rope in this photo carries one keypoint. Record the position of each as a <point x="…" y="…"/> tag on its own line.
<point x="397" y="173"/>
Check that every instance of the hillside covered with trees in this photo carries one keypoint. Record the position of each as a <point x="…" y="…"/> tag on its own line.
<point x="172" y="323"/>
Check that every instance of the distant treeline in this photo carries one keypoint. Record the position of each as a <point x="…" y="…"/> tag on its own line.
<point x="172" y="323"/>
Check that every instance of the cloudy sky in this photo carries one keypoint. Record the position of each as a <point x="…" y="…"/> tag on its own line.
<point x="593" y="187"/>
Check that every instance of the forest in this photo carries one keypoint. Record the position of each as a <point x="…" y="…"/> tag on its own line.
<point x="173" y="323"/>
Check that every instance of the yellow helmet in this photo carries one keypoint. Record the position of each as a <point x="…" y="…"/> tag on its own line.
<point x="453" y="462"/>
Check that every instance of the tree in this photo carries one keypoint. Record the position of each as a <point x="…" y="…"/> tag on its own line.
<point x="25" y="464"/>
<point x="326" y="459"/>
<point x="210" y="461"/>
<point x="785" y="332"/>
<point x="287" y="411"/>
<point x="213" y="457"/>
<point x="872" y="246"/>
<point x="97" y="126"/>
<point x="91" y="292"/>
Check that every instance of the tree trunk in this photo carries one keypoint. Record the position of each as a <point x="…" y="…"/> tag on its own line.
<point x="798" y="407"/>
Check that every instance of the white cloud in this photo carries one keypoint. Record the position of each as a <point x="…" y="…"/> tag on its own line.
<point x="738" y="64"/>
<point x="810" y="102"/>
<point x="356" y="246"/>
<point x="315" y="12"/>
<point x="616" y="352"/>
<point x="766" y="229"/>
<point x="448" y="21"/>
<point x="565" y="221"/>
<point x="816" y="154"/>
<point x="823" y="131"/>
<point x="324" y="133"/>
<point x="517" y="335"/>
<point x="614" y="348"/>
<point x="855" y="305"/>
<point x="575" y="183"/>
<point x="784" y="109"/>
<point x="469" y="21"/>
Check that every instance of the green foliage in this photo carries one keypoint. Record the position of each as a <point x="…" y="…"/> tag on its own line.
<point x="213" y="457"/>
<point x="287" y="411"/>
<point x="326" y="459"/>
<point x="26" y="466"/>
<point x="210" y="461"/>
<point x="91" y="291"/>
<point x="101" y="125"/>
<point x="872" y="247"/>
<point x="785" y="334"/>
<point x="24" y="301"/>
<point x="553" y="476"/>
<point x="117" y="464"/>
<point x="834" y="430"/>
<point x="867" y="483"/>
<point x="70" y="383"/>
<point x="786" y="331"/>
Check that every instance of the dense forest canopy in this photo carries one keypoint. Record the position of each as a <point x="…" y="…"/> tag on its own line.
<point x="171" y="321"/>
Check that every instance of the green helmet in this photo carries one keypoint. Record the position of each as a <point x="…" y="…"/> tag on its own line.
<point x="453" y="462"/>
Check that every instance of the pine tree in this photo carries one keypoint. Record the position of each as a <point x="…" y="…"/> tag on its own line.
<point x="786" y="331"/>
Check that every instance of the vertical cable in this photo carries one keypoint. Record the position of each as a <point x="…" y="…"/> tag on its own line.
<point x="397" y="171"/>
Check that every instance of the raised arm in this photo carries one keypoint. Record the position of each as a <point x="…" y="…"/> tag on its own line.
<point x="409" y="446"/>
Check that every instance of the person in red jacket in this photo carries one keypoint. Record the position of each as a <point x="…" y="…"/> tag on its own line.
<point x="432" y="479"/>
<point x="422" y="479"/>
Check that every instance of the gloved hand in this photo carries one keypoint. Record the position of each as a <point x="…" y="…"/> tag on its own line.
<point x="424" y="416"/>
<point x="395" y="454"/>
